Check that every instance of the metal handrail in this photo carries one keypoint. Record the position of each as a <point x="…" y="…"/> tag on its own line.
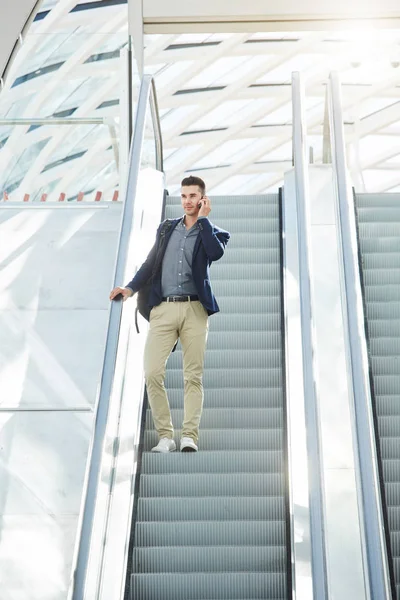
<point x="155" y="114"/>
<point x="317" y="519"/>
<point x="107" y="377"/>
<point x="374" y="546"/>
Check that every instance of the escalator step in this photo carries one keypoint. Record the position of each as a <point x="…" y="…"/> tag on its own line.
<point x="231" y="201"/>
<point x="377" y="200"/>
<point x="220" y="210"/>
<point x="235" y="461"/>
<point x="230" y="439"/>
<point x="212" y="484"/>
<point x="228" y="378"/>
<point x="209" y="533"/>
<point x="209" y="559"/>
<point x="211" y="508"/>
<point x="229" y="418"/>
<point x="235" y="359"/>
<point x="224" y="586"/>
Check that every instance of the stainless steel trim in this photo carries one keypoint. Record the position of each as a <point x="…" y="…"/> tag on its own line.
<point x="55" y="121"/>
<point x="157" y="127"/>
<point x="375" y="552"/>
<point x="316" y="478"/>
<point x="107" y="378"/>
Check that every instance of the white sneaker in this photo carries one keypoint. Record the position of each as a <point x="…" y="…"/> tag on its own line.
<point x="165" y="445"/>
<point x="188" y="445"/>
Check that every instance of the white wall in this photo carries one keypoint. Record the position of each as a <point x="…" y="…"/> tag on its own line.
<point x="13" y="17"/>
<point x="264" y="14"/>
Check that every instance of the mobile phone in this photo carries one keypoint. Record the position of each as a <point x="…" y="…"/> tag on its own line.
<point x="200" y="204"/>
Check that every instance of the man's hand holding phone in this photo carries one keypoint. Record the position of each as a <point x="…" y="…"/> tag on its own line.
<point x="205" y="207"/>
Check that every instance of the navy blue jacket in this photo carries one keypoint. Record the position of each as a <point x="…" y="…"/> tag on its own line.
<point x="209" y="246"/>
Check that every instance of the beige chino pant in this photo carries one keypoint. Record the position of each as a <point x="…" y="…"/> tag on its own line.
<point x="168" y="321"/>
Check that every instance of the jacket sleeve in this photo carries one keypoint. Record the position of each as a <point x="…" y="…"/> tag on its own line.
<point x="144" y="273"/>
<point x="214" y="242"/>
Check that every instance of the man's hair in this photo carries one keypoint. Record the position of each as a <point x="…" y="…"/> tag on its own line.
<point x="192" y="180"/>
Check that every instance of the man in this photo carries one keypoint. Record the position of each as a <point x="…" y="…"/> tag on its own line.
<point x="181" y="299"/>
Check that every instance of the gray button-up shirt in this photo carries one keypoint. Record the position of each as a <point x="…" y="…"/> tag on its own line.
<point x="176" y="278"/>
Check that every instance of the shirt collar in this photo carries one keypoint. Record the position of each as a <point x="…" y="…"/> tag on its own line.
<point x="182" y="223"/>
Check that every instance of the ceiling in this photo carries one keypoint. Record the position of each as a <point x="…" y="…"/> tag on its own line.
<point x="224" y="98"/>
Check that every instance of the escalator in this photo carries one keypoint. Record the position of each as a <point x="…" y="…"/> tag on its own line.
<point x="378" y="217"/>
<point x="214" y="525"/>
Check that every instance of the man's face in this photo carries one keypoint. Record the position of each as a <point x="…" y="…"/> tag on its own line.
<point x="190" y="198"/>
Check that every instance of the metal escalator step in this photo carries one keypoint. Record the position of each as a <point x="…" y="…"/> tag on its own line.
<point x="249" y="272"/>
<point x="209" y="559"/>
<point x="387" y="384"/>
<point x="229" y="439"/>
<point x="220" y="508"/>
<point x="229" y="418"/>
<point x="211" y="484"/>
<point x="224" y="586"/>
<point x="381" y="277"/>
<point x="383" y="328"/>
<point x="392" y="493"/>
<point x="243" y="340"/>
<point x="248" y="256"/>
<point x="383" y="310"/>
<point x="241" y="240"/>
<point x="386" y="365"/>
<point x="219" y="211"/>
<point x="389" y="426"/>
<point x="231" y="378"/>
<point x="394" y="518"/>
<point x="395" y="543"/>
<point x="235" y="461"/>
<point x="380" y="293"/>
<point x="210" y="533"/>
<point x="258" y="305"/>
<point x="387" y="346"/>
<point x="390" y="447"/>
<point x="247" y="288"/>
<point x="388" y="405"/>
<point x="247" y="225"/>
<point x="377" y="230"/>
<point x="380" y="214"/>
<point x="236" y="359"/>
<point x="391" y="470"/>
<point x="249" y="322"/>
<point x="387" y="244"/>
<point x="231" y="201"/>
<point x="232" y="398"/>
<point x="377" y="200"/>
<point x="381" y="260"/>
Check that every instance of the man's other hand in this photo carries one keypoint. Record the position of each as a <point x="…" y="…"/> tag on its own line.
<point x="118" y="292"/>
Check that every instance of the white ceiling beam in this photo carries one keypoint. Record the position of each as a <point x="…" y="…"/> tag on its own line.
<point x="231" y="90"/>
<point x="383" y="187"/>
<point x="199" y="65"/>
<point x="258" y="152"/>
<point x="380" y="119"/>
<point x="265" y="13"/>
<point x="325" y="47"/>
<point x="272" y="91"/>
